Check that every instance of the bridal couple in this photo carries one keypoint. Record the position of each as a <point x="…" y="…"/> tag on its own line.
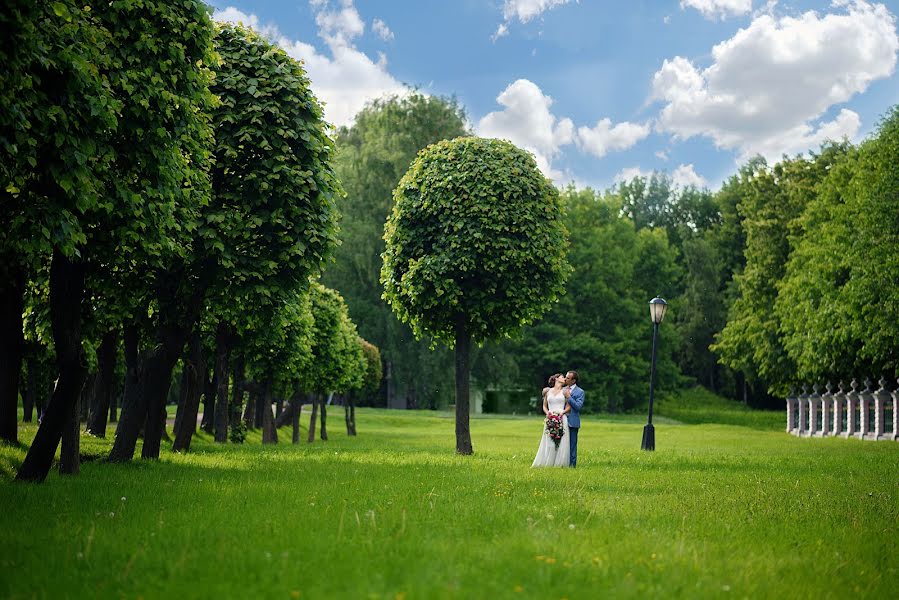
<point x="562" y="404"/>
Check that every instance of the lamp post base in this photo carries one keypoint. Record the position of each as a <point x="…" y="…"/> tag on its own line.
<point x="649" y="438"/>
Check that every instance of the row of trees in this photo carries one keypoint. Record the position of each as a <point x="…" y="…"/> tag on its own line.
<point x="166" y="182"/>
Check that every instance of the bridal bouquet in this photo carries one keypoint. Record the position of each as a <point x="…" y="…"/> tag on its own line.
<point x="554" y="427"/>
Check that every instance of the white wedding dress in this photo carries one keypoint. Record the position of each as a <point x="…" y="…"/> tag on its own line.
<point x="547" y="454"/>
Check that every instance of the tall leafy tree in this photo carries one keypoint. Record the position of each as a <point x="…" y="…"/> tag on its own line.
<point x="475" y="248"/>
<point x="57" y="112"/>
<point x="775" y="198"/>
<point x="836" y="302"/>
<point x="373" y="154"/>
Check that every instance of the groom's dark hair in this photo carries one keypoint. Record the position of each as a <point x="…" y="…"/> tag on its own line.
<point x="574" y="374"/>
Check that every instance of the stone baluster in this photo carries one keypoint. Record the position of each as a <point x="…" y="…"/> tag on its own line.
<point x="826" y="405"/>
<point x="852" y="410"/>
<point x="864" y="402"/>
<point x="803" y="409"/>
<point x="881" y="397"/>
<point x="792" y="402"/>
<point x="814" y="402"/>
<point x="839" y="400"/>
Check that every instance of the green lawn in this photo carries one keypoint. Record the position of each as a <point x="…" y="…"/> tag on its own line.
<point x="716" y="511"/>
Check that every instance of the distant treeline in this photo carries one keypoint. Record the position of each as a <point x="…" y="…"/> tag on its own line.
<point x="785" y="274"/>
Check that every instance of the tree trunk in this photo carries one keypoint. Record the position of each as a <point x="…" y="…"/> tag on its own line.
<point x="279" y="407"/>
<point x="285" y="417"/>
<point x="222" y="359"/>
<point x="249" y="413"/>
<point x="295" y="409"/>
<point x="105" y="384"/>
<point x="236" y="392"/>
<point x="87" y="396"/>
<point x="30" y="399"/>
<point x="134" y="407"/>
<point x="314" y="398"/>
<point x="134" y="404"/>
<point x="463" y="351"/>
<point x="12" y="344"/>
<point x="260" y="404"/>
<point x="183" y="391"/>
<point x="210" y="388"/>
<point x="70" y="452"/>
<point x="269" y="433"/>
<point x="346" y="413"/>
<point x="114" y="400"/>
<point x="195" y="368"/>
<point x="66" y="295"/>
<point x="170" y="339"/>
<point x="353" y="415"/>
<point x="324" y="416"/>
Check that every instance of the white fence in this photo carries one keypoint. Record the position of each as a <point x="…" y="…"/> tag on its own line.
<point x="867" y="414"/>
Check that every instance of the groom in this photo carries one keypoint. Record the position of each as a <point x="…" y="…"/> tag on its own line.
<point x="575" y="397"/>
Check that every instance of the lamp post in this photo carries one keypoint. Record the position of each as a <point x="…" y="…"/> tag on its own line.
<point x="657" y="308"/>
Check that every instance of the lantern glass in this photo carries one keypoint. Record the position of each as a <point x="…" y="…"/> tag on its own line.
<point x="657" y="308"/>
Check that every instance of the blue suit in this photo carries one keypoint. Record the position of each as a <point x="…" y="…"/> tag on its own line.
<point x="576" y="400"/>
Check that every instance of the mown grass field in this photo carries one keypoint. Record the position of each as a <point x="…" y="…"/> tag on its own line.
<point x="717" y="511"/>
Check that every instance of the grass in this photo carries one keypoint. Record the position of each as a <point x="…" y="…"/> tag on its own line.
<point x="716" y="511"/>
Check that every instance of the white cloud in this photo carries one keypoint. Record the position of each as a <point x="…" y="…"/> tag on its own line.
<point x="684" y="176"/>
<point x="712" y="9"/>
<point x="381" y="28"/>
<point x="343" y="79"/>
<point x="233" y="15"/>
<point x="769" y="85"/>
<point x="523" y="11"/>
<point x="605" y="137"/>
<point x="527" y="121"/>
<point x="628" y="173"/>
<point x="661" y="154"/>
<point x="338" y="26"/>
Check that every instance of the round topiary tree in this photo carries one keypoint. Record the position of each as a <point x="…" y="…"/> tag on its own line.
<point x="475" y="249"/>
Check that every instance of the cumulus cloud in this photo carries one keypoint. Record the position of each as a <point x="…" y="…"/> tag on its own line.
<point x="769" y="85"/>
<point x="685" y="175"/>
<point x="682" y="176"/>
<point x="605" y="137"/>
<point x="526" y="121"/>
<point x="713" y="9"/>
<point x="523" y="11"/>
<point x="628" y="173"/>
<point x="381" y="28"/>
<point x="344" y="78"/>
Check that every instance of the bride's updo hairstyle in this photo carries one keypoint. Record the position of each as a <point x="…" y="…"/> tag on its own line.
<point x="552" y="379"/>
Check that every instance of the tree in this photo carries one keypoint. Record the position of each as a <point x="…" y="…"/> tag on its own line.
<point x="475" y="248"/>
<point x="372" y="156"/>
<point x="835" y="303"/>
<point x="338" y="363"/>
<point x="273" y="182"/>
<point x="775" y="198"/>
<point x="57" y="111"/>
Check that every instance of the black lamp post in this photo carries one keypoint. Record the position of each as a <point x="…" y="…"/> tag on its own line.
<point x="657" y="308"/>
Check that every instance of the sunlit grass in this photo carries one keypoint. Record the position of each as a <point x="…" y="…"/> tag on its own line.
<point x="717" y="510"/>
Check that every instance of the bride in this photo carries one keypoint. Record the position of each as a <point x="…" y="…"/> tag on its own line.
<point x="548" y="454"/>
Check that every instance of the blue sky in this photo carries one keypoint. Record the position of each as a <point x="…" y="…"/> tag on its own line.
<point x="600" y="91"/>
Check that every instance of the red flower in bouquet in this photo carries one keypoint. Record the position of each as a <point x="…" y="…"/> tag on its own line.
<point x="554" y="427"/>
